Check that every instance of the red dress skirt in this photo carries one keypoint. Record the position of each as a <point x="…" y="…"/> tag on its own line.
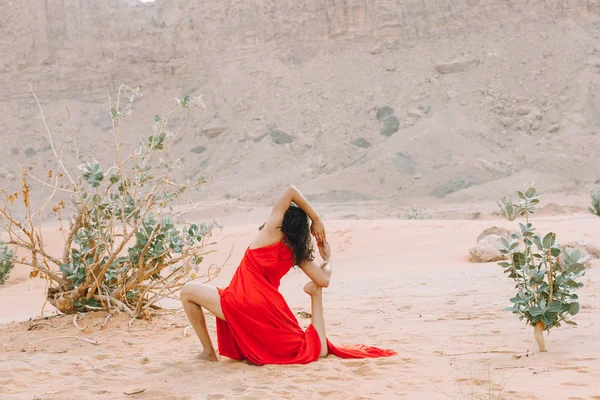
<point x="260" y="327"/>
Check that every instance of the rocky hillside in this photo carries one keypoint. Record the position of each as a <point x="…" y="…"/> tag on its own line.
<point x="393" y="101"/>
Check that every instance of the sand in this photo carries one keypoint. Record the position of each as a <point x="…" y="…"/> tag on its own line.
<point x="405" y="285"/>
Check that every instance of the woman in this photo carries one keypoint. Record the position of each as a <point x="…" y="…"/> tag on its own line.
<point x="253" y="320"/>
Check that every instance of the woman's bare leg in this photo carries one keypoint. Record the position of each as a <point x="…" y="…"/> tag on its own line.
<point x="194" y="296"/>
<point x="317" y="314"/>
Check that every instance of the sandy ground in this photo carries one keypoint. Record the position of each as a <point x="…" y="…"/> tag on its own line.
<point x="406" y="285"/>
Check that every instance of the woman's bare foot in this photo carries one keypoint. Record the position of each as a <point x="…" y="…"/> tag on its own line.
<point x="311" y="288"/>
<point x="208" y="356"/>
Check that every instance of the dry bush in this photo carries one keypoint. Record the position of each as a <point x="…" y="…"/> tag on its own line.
<point x="125" y="248"/>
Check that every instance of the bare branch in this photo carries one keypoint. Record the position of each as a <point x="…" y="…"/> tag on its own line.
<point x="59" y="159"/>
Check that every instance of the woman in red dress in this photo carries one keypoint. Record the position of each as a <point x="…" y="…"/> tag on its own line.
<point x="253" y="320"/>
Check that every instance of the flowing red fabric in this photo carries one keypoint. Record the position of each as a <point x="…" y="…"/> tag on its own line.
<point x="260" y="327"/>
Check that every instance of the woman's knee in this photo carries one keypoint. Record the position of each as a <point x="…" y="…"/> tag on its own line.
<point x="187" y="291"/>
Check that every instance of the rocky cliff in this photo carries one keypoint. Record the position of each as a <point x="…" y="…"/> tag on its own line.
<point x="394" y="101"/>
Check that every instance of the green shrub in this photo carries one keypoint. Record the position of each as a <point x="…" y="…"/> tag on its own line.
<point x="545" y="286"/>
<point x="6" y="262"/>
<point x="595" y="207"/>
<point x="126" y="248"/>
<point x="415" y="213"/>
<point x="508" y="209"/>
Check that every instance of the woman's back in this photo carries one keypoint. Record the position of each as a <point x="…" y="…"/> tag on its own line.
<point x="272" y="261"/>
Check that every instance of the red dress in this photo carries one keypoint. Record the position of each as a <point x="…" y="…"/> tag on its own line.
<point x="260" y="327"/>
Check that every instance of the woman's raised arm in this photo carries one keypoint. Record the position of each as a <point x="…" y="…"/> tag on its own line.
<point x="289" y="195"/>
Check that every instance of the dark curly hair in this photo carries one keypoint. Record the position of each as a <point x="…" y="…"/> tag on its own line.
<point x="296" y="234"/>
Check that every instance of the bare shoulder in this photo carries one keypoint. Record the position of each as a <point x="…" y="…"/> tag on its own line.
<point x="266" y="237"/>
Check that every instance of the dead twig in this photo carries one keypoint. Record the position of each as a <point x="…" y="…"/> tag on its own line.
<point x="31" y="327"/>
<point x="185" y="330"/>
<point x="75" y="318"/>
<point x="105" y="321"/>
<point x="136" y="391"/>
<point x="90" y="341"/>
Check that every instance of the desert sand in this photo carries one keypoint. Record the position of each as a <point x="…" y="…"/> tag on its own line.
<point x="422" y="102"/>
<point x="405" y="285"/>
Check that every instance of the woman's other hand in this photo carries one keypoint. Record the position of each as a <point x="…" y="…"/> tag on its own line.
<point x="317" y="228"/>
<point x="324" y="250"/>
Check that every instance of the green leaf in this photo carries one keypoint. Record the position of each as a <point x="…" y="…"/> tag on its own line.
<point x="574" y="308"/>
<point x="577" y="268"/>
<point x="92" y="174"/>
<point x="530" y="192"/>
<point x="548" y="240"/>
<point x="113" y="112"/>
<point x="66" y="269"/>
<point x="547" y="320"/>
<point x="197" y="260"/>
<point x="555" y="251"/>
<point x="572" y="284"/>
<point x="114" y="178"/>
<point x="535" y="311"/>
<point x="157" y="118"/>
<point x="553" y="307"/>
<point x="538" y="242"/>
<point x="515" y="300"/>
<point x="519" y="259"/>
<point x="570" y="322"/>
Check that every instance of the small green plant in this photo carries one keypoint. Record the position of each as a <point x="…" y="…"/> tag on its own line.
<point x="6" y="262"/>
<point x="595" y="207"/>
<point x="545" y="285"/>
<point x="508" y="209"/>
<point x="415" y="213"/>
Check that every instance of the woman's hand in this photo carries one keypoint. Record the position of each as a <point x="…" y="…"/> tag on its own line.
<point x="324" y="250"/>
<point x="317" y="228"/>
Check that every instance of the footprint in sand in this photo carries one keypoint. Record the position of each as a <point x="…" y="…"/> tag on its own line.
<point x="238" y="388"/>
<point x="387" y="361"/>
<point x="327" y="393"/>
<point x="574" y="384"/>
<point x="335" y="378"/>
<point x="365" y="370"/>
<point x="581" y="370"/>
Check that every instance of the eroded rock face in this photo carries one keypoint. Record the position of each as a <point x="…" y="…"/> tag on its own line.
<point x="263" y="62"/>
<point x="280" y="137"/>
<point x="214" y="128"/>
<point x="453" y="185"/>
<point x="459" y="64"/>
<point x="487" y="249"/>
<point x="362" y="143"/>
